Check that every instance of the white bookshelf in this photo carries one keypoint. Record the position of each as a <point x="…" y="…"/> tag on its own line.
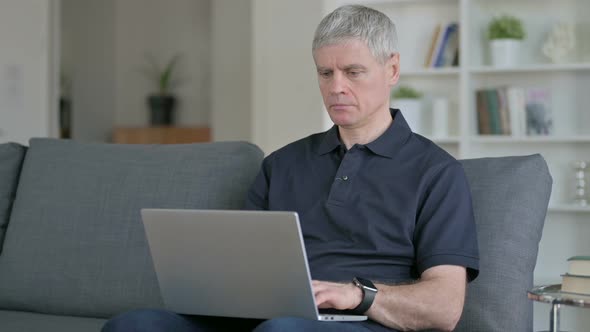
<point x="536" y="68"/>
<point x="567" y="225"/>
<point x="499" y="139"/>
<point x="446" y="140"/>
<point x="566" y="208"/>
<point x="428" y="72"/>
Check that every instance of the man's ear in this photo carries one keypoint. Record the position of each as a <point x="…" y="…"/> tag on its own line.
<point x="393" y="69"/>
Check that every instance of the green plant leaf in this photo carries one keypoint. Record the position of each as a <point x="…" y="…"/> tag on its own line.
<point x="163" y="78"/>
<point x="404" y="92"/>
<point x="166" y="76"/>
<point x="506" y="27"/>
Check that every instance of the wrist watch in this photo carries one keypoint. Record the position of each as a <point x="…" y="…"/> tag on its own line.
<point x="369" y="292"/>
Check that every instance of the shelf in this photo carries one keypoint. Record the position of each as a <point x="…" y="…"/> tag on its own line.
<point x="531" y="68"/>
<point x="400" y="2"/>
<point x="445" y="140"/>
<point x="444" y="71"/>
<point x="530" y="139"/>
<point x="568" y="208"/>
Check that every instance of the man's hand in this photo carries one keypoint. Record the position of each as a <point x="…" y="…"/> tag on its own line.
<point x="332" y="295"/>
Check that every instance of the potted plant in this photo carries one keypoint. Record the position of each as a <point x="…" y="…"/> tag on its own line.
<point x="162" y="102"/>
<point x="409" y="101"/>
<point x="505" y="33"/>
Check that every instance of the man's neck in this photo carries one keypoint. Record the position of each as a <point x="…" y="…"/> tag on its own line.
<point x="368" y="132"/>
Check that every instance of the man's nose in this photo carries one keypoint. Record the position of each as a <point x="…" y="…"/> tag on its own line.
<point x="337" y="84"/>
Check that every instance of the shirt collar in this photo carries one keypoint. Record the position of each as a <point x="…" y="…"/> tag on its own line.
<point x="330" y="142"/>
<point x="385" y="145"/>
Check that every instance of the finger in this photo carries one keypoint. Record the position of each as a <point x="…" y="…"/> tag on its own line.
<point x="322" y="300"/>
<point x="325" y="284"/>
<point x="321" y="286"/>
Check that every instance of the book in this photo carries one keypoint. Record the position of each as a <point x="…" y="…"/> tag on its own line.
<point x="575" y="284"/>
<point x="449" y="46"/>
<point x="539" y="119"/>
<point x="493" y="108"/>
<point x="444" y="34"/>
<point x="483" y="120"/>
<point x="503" y="111"/>
<point x="517" y="110"/>
<point x="433" y="43"/>
<point x="439" y="40"/>
<point x="456" y="58"/>
<point x="579" y="265"/>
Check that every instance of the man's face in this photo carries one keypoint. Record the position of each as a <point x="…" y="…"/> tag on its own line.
<point x="354" y="84"/>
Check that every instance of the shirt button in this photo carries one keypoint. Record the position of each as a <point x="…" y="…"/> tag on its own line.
<point x="345" y="178"/>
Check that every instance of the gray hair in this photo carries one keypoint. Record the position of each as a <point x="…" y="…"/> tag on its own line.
<point x="358" y="22"/>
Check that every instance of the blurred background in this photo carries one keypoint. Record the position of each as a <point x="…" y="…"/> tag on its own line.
<point x="480" y="78"/>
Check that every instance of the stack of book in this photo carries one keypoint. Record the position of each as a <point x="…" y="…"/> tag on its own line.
<point x="513" y="111"/>
<point x="444" y="47"/>
<point x="577" y="279"/>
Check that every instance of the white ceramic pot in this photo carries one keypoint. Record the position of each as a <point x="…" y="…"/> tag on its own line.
<point x="505" y="52"/>
<point x="412" y="112"/>
<point x="440" y="117"/>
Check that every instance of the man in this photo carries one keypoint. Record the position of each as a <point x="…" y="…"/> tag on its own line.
<point x="378" y="204"/>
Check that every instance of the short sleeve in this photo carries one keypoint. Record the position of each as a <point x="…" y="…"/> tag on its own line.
<point x="257" y="197"/>
<point x="445" y="232"/>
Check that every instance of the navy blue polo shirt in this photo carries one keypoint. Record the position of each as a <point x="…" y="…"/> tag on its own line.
<point x="386" y="211"/>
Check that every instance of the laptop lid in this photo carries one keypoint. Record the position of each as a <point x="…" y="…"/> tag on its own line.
<point x="249" y="264"/>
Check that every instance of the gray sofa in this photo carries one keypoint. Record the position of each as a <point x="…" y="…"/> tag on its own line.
<point x="73" y="249"/>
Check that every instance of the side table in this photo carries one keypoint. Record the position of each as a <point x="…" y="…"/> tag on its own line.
<point x="553" y="294"/>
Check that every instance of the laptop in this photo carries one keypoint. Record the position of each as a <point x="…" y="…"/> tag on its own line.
<point x="247" y="264"/>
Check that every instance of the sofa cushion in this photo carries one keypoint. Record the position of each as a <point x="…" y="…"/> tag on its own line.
<point x="13" y="321"/>
<point x="75" y="244"/>
<point x="510" y="198"/>
<point x="11" y="158"/>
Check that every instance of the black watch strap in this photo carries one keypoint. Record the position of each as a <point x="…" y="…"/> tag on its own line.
<point x="369" y="291"/>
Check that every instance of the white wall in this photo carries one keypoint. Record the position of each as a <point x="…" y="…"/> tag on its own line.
<point x="231" y="77"/>
<point x="162" y="28"/>
<point x="104" y="48"/>
<point x="284" y="100"/>
<point x="27" y="102"/>
<point x="264" y="82"/>
<point x="88" y="61"/>
<point x="287" y="102"/>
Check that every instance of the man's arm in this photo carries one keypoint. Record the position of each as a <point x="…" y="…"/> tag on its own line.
<point x="434" y="302"/>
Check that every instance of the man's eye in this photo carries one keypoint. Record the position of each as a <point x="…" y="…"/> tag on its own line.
<point x="325" y="74"/>
<point x="354" y="73"/>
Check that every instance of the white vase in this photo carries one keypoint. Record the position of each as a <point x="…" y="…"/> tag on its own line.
<point x="412" y="112"/>
<point x="505" y="52"/>
<point x="440" y="117"/>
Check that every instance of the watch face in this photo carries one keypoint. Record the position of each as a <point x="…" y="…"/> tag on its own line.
<point x="365" y="283"/>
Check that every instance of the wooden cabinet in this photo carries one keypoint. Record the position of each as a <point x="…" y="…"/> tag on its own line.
<point x="161" y="135"/>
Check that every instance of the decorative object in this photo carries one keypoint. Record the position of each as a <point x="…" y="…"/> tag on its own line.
<point x="560" y="42"/>
<point x="539" y="118"/>
<point x="440" y="117"/>
<point x="580" y="196"/>
<point x="409" y="101"/>
<point x="162" y="103"/>
<point x="506" y="34"/>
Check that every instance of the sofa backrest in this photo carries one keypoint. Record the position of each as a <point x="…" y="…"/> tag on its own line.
<point x="11" y="158"/>
<point x="510" y="198"/>
<point x="75" y="243"/>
